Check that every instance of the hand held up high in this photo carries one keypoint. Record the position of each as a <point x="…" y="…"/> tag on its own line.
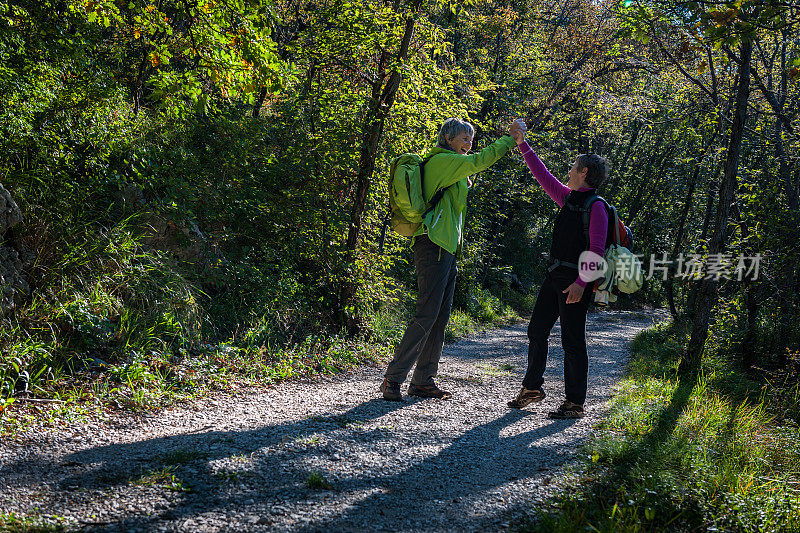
<point x="517" y="130"/>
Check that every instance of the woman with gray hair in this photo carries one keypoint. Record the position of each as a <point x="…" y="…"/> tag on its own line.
<point x="566" y="291"/>
<point x="436" y="246"/>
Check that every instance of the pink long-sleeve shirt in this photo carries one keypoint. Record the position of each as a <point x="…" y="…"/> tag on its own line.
<point x="598" y="216"/>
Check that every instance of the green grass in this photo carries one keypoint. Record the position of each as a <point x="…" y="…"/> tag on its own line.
<point x="691" y="454"/>
<point x="317" y="481"/>
<point x="182" y="456"/>
<point x="18" y="523"/>
<point x="163" y="477"/>
<point x="462" y="323"/>
<point x="165" y="378"/>
<point x="480" y="309"/>
<point x="495" y="370"/>
<point x="123" y="327"/>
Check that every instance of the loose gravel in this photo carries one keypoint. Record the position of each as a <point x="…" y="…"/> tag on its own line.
<point x="328" y="454"/>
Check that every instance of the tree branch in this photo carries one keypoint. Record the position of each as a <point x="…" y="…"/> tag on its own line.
<point x="711" y="94"/>
<point x="769" y="95"/>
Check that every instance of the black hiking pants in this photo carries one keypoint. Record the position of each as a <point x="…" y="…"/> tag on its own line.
<point x="424" y="338"/>
<point x="551" y="304"/>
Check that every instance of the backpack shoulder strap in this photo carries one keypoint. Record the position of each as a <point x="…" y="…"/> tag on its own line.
<point x="586" y="211"/>
<point x="437" y="196"/>
<point x="422" y="172"/>
<point x="613" y="217"/>
<point x="617" y="236"/>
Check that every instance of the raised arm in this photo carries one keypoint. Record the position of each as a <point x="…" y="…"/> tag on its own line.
<point x="454" y="167"/>
<point x="554" y="188"/>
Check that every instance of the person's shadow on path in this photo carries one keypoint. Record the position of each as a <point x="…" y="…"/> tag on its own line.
<point x="470" y="466"/>
<point x="418" y="495"/>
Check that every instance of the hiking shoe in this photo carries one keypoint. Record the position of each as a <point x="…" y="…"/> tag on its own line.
<point x="526" y="397"/>
<point x="568" y="410"/>
<point x="428" y="391"/>
<point x="391" y="391"/>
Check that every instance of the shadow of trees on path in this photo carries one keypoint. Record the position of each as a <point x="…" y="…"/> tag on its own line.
<point x="382" y="476"/>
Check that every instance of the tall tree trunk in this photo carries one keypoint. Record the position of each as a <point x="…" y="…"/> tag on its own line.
<point x="676" y="248"/>
<point x="262" y="95"/>
<point x="788" y="291"/>
<point x="136" y="86"/>
<point x="752" y="306"/>
<point x="752" y="299"/>
<point x="694" y="288"/>
<point x="788" y="316"/>
<point x="381" y="101"/>
<point x="707" y="297"/>
<point x="687" y="206"/>
<point x="785" y="168"/>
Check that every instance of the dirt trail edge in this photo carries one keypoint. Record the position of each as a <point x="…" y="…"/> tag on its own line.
<point x="328" y="455"/>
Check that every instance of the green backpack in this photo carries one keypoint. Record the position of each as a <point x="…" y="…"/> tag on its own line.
<point x="407" y="205"/>
<point x="625" y="273"/>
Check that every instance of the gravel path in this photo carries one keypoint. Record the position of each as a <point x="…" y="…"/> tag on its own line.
<point x="246" y="462"/>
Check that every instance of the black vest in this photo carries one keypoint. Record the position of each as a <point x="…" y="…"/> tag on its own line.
<point x="569" y="240"/>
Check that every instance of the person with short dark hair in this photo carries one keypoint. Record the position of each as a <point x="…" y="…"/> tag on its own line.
<point x="564" y="294"/>
<point x="436" y="246"/>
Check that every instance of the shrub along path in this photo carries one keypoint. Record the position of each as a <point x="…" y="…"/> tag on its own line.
<point x="328" y="455"/>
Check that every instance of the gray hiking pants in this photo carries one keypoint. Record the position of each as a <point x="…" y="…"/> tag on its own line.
<point x="423" y="340"/>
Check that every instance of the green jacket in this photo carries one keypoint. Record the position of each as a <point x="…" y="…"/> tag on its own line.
<point x="445" y="223"/>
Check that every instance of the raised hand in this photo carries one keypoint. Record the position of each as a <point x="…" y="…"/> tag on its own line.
<point x="517" y="130"/>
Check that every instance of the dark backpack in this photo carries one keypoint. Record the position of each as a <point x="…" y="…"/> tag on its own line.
<point x="618" y="232"/>
<point x="619" y="241"/>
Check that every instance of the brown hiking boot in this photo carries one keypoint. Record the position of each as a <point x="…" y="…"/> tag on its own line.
<point x="391" y="391"/>
<point x="428" y="391"/>
<point x="526" y="397"/>
<point x="568" y="410"/>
